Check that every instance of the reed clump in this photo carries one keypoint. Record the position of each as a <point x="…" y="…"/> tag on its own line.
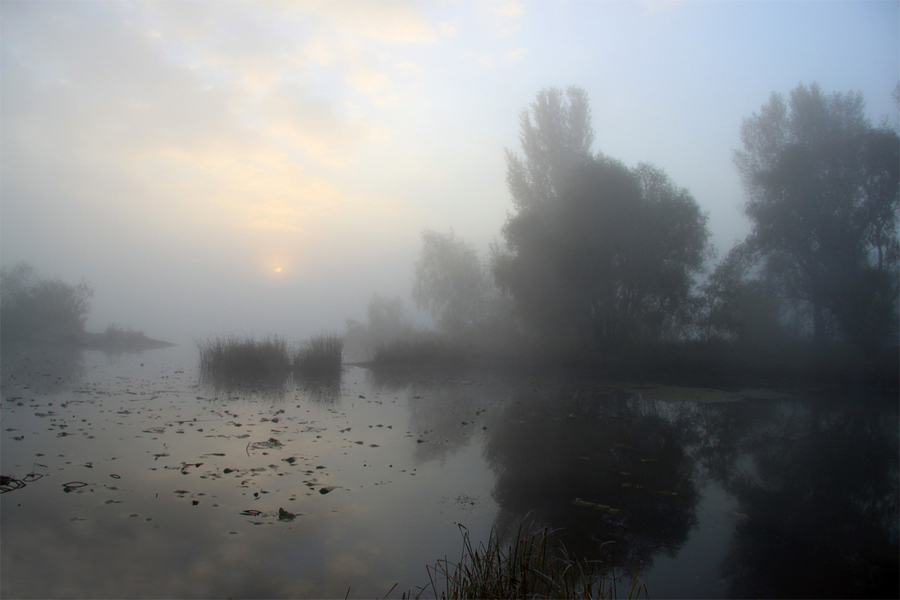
<point x="321" y="356"/>
<point x="425" y="350"/>
<point x="531" y="565"/>
<point x="244" y="358"/>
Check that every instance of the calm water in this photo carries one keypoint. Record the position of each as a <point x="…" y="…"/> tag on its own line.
<point x="141" y="481"/>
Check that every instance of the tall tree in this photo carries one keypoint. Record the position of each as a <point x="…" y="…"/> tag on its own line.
<point x="609" y="261"/>
<point x="452" y="283"/>
<point x="556" y="135"/>
<point x="596" y="252"/>
<point x="823" y="200"/>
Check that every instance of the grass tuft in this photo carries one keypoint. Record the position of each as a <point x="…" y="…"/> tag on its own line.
<point x="321" y="356"/>
<point x="424" y="350"/>
<point x="244" y="358"/>
<point x="529" y="566"/>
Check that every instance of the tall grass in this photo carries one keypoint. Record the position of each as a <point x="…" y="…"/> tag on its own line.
<point x="529" y="566"/>
<point x="234" y="358"/>
<point x="418" y="351"/>
<point x="244" y="358"/>
<point x="321" y="356"/>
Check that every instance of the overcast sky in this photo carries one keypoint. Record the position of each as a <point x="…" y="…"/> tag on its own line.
<point x="264" y="167"/>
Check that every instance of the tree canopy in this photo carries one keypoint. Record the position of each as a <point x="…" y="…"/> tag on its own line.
<point x="611" y="260"/>
<point x="556" y="135"/>
<point x="452" y="283"/>
<point x="32" y="308"/>
<point x="823" y="198"/>
<point x="596" y="252"/>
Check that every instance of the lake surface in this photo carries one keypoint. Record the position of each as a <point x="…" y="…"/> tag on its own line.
<point x="136" y="479"/>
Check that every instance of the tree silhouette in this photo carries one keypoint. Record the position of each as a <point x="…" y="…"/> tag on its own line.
<point x="49" y="309"/>
<point x="610" y="260"/>
<point x="823" y="187"/>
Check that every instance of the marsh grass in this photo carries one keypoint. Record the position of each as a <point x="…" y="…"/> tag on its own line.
<point x="531" y="565"/>
<point x="425" y="350"/>
<point x="244" y="358"/>
<point x="320" y="357"/>
<point x="234" y="358"/>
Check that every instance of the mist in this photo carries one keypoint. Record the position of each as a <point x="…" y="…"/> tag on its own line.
<point x="176" y="172"/>
<point x="301" y="296"/>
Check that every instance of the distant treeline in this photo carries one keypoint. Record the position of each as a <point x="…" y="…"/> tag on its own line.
<point x="51" y="310"/>
<point x="41" y="309"/>
<point x="600" y="259"/>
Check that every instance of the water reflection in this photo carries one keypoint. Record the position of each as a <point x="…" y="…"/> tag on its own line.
<point x="801" y="492"/>
<point x="601" y="464"/>
<point x="818" y="494"/>
<point x="43" y="368"/>
<point x="320" y="389"/>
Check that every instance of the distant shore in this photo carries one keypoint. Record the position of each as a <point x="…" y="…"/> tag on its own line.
<point x="109" y="341"/>
<point x="121" y="341"/>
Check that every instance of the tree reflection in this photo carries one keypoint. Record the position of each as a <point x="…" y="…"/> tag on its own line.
<point x="601" y="465"/>
<point x="44" y="368"/>
<point x="818" y="492"/>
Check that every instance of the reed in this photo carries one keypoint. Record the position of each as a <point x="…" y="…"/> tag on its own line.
<point x="244" y="358"/>
<point x="321" y="356"/>
<point x="531" y="565"/>
<point x="418" y="351"/>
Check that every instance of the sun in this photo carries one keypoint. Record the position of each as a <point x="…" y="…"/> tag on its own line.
<point x="278" y="269"/>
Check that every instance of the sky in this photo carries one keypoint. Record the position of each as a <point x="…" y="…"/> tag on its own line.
<point x="256" y="168"/>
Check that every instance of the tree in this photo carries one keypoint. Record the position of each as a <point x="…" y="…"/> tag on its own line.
<point x="612" y="260"/>
<point x="387" y="322"/>
<point x="558" y="139"/>
<point x="823" y="200"/>
<point x="452" y="283"/>
<point x="41" y="309"/>
<point x="737" y="306"/>
<point x="596" y="251"/>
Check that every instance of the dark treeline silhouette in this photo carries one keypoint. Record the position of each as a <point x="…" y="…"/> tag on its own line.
<point x="53" y="311"/>
<point x="32" y="308"/>
<point x="823" y="188"/>
<point x="604" y="263"/>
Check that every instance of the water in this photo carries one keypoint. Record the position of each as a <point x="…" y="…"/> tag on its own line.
<point x="141" y="481"/>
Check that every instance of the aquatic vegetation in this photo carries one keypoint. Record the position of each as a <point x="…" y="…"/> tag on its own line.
<point x="431" y="350"/>
<point x="321" y="356"/>
<point x="237" y="358"/>
<point x="531" y="565"/>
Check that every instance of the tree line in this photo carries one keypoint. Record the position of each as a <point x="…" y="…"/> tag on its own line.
<point x="600" y="255"/>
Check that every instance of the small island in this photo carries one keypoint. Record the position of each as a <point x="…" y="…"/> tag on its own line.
<point x="54" y="312"/>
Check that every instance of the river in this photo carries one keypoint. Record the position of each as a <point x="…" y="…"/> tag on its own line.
<point x="130" y="477"/>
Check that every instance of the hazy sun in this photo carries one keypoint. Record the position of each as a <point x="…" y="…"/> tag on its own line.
<point x="278" y="269"/>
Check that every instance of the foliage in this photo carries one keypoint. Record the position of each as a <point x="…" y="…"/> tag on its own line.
<point x="387" y="322"/>
<point x="453" y="284"/>
<point x="824" y="188"/>
<point x="321" y="356"/>
<point x="41" y="309"/>
<point x="611" y="260"/>
<point x="421" y="349"/>
<point x="558" y="139"/>
<point x="528" y="566"/>
<point x="595" y="251"/>
<point x="738" y="307"/>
